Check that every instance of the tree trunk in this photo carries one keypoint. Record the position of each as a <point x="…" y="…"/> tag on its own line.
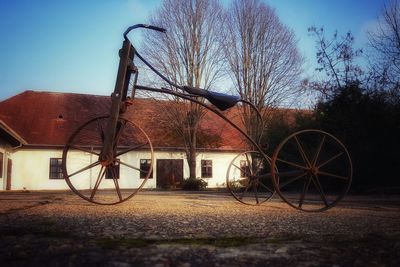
<point x="189" y="54"/>
<point x="191" y="155"/>
<point x="192" y="164"/>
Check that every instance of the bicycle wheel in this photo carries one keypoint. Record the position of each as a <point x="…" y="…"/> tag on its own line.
<point x="117" y="181"/>
<point x="249" y="178"/>
<point x="312" y="170"/>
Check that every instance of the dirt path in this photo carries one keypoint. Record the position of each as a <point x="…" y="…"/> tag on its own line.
<point x="195" y="229"/>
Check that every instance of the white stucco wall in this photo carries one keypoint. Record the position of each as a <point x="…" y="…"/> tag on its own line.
<point x="220" y="163"/>
<point x="5" y="150"/>
<point x="31" y="169"/>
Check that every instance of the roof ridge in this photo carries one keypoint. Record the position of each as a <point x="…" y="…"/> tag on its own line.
<point x="30" y="91"/>
<point x="58" y="92"/>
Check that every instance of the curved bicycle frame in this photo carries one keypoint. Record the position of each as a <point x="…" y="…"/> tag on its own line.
<point x="192" y="94"/>
<point x="120" y="101"/>
<point x="191" y="98"/>
<point x="126" y="69"/>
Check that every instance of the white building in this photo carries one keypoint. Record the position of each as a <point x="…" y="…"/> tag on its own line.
<point x="34" y="126"/>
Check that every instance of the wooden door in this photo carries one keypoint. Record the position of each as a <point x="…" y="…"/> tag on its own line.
<point x="169" y="173"/>
<point x="9" y="168"/>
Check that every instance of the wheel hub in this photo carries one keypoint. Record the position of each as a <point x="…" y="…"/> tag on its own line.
<point x="106" y="163"/>
<point x="253" y="178"/>
<point x="313" y="171"/>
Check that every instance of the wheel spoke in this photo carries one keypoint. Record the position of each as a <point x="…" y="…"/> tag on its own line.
<point x="290" y="173"/>
<point x="100" y="177"/>
<point x="266" y="187"/>
<point x="249" y="164"/>
<point x="319" y="188"/>
<point x="292" y="179"/>
<point x="312" y="170"/>
<point x="84" y="149"/>
<point x="318" y="150"/>
<point x="264" y="176"/>
<point x="333" y="175"/>
<point x="88" y="139"/>
<point x="331" y="159"/>
<point x="304" y="192"/>
<point x="115" y="179"/>
<point x="292" y="164"/>
<point x="132" y="167"/>
<point x="256" y="192"/>
<point x="254" y="188"/>
<point x="258" y="169"/>
<point x="302" y="152"/>
<point x="245" y="190"/>
<point x="242" y="170"/>
<point x="237" y="167"/>
<point x="85" y="168"/>
<point x="129" y="149"/>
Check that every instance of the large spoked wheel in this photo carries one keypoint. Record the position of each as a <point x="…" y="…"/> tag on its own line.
<point x="117" y="181"/>
<point x="312" y="170"/>
<point x="249" y="178"/>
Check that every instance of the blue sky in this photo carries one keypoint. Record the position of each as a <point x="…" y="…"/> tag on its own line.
<point x="72" y="45"/>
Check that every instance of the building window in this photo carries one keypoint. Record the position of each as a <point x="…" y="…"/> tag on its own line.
<point x="145" y="167"/>
<point x="1" y="164"/>
<point x="114" y="168"/>
<point x="244" y="168"/>
<point x="206" y="168"/>
<point x="56" y="168"/>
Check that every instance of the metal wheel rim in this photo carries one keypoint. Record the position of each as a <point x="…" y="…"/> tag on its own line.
<point x="67" y="149"/>
<point x="231" y="190"/>
<point x="275" y="170"/>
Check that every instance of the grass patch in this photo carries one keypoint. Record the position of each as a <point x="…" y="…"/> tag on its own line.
<point x="109" y="243"/>
<point x="284" y="238"/>
<point x="224" y="242"/>
<point x="47" y="233"/>
<point x="45" y="230"/>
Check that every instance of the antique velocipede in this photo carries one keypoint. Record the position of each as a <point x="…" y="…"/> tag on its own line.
<point x="311" y="170"/>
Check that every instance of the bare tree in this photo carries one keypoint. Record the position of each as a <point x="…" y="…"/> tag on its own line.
<point x="385" y="44"/>
<point x="336" y="59"/>
<point x="263" y="60"/>
<point x="188" y="55"/>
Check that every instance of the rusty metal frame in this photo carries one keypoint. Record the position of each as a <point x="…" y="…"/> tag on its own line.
<point x="193" y="98"/>
<point x="120" y="102"/>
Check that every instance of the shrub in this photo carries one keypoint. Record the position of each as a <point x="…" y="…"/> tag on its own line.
<point x="368" y="124"/>
<point x="194" y="184"/>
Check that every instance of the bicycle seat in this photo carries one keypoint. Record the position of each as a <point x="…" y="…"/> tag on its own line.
<point x="221" y="101"/>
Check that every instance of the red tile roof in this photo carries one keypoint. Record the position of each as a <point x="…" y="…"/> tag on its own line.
<point x="10" y="136"/>
<point x="46" y="118"/>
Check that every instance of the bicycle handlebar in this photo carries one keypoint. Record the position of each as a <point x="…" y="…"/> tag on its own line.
<point x="146" y="26"/>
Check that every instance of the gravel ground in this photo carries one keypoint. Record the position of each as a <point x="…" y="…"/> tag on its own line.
<point x="195" y="229"/>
